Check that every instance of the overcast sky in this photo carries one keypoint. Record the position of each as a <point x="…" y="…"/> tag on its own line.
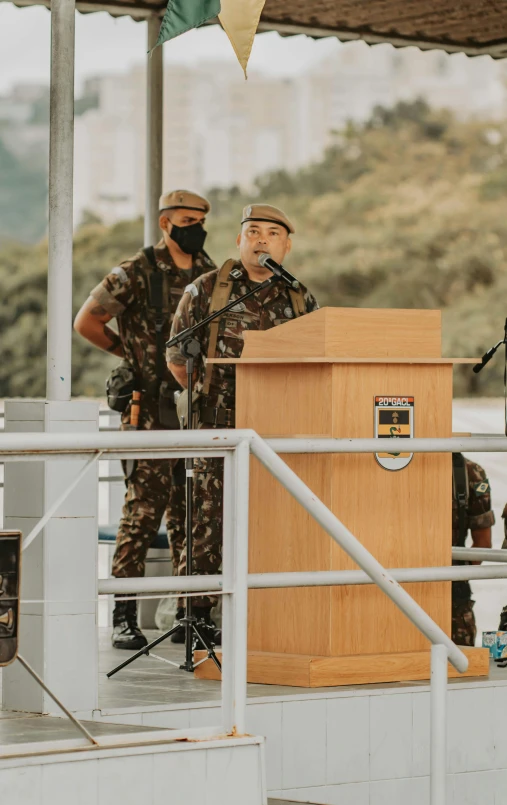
<point x="108" y="45"/>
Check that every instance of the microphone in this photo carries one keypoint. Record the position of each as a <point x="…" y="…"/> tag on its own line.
<point x="265" y="260"/>
<point x="489" y="354"/>
<point x="485" y="359"/>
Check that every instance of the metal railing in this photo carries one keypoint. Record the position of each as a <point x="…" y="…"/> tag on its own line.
<point x="235" y="446"/>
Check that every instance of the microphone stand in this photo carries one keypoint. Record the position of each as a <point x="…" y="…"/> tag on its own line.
<point x="190" y="348"/>
<point x="486" y="359"/>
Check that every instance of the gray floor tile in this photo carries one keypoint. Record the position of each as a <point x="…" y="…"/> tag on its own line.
<point x="32" y="729"/>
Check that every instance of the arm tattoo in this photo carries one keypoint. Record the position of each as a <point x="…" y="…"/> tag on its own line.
<point x="113" y="337"/>
<point x="98" y="310"/>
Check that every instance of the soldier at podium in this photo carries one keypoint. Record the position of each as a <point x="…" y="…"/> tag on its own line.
<point x="264" y="229"/>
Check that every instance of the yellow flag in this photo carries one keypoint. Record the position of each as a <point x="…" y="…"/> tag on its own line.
<point x="239" y="19"/>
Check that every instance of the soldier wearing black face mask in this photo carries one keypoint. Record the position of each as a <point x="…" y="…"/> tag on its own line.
<point x="142" y="294"/>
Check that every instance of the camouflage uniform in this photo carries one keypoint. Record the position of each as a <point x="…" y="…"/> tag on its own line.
<point x="502" y="626"/>
<point x="478" y="516"/>
<point x="270" y="308"/>
<point x="151" y="490"/>
<point x="504" y="518"/>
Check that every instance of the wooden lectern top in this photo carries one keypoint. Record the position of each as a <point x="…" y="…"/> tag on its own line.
<point x="350" y="335"/>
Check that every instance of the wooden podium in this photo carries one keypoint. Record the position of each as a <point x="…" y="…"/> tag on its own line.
<point x="319" y="376"/>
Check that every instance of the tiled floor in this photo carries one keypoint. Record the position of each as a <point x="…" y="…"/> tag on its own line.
<point x="20" y="728"/>
<point x="148" y="681"/>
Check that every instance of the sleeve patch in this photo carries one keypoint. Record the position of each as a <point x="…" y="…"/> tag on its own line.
<point x="109" y="302"/>
<point x="481" y="488"/>
<point x="120" y="273"/>
<point x="192" y="290"/>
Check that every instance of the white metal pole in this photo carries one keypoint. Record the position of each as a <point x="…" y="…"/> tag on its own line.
<point x="480" y="554"/>
<point x="235" y="615"/>
<point x="455" y="444"/>
<point x="228" y="603"/>
<point x="438" y="725"/>
<point x="154" y="132"/>
<point x="316" y="578"/>
<point x="61" y="156"/>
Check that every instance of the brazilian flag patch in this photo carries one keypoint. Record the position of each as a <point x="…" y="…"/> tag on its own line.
<point x="481" y="488"/>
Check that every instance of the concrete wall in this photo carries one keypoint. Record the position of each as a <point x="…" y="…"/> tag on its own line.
<point x="227" y="772"/>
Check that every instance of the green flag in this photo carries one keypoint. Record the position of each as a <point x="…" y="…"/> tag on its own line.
<point x="183" y="15"/>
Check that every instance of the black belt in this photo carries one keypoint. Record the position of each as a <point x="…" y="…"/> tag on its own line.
<point x="217" y="416"/>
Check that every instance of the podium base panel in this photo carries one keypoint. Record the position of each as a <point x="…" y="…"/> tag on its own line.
<point x="302" y="671"/>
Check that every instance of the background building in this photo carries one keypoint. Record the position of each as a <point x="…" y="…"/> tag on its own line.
<point x="220" y="131"/>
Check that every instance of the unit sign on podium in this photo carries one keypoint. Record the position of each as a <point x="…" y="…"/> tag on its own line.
<point x="394" y="419"/>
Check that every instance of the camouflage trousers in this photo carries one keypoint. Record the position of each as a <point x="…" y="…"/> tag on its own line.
<point x="464" y="629"/>
<point x="207" y="523"/>
<point x="151" y="492"/>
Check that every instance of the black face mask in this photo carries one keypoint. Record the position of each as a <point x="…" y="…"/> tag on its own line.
<point x="190" y="239"/>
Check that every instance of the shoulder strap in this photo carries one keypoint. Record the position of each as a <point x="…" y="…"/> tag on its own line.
<point x="149" y="253"/>
<point x="297" y="299"/>
<point x="460" y="481"/>
<point x="219" y="298"/>
<point x="156" y="284"/>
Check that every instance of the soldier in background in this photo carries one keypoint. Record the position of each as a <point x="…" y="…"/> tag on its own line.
<point x="263" y="229"/>
<point x="142" y="294"/>
<point x="502" y="626"/>
<point x="471" y="511"/>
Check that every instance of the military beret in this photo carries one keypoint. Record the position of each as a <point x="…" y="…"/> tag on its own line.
<point x="265" y="212"/>
<point x="183" y="199"/>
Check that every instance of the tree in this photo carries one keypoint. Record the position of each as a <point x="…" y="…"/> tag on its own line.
<point x="396" y="214"/>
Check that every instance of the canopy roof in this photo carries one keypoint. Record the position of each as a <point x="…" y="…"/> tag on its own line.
<point x="472" y="26"/>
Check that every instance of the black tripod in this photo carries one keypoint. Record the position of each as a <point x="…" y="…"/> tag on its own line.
<point x="190" y="349"/>
<point x="486" y="359"/>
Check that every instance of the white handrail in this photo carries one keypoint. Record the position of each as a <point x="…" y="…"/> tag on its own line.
<point x="310" y="578"/>
<point x="29" y="446"/>
<point x="479" y="554"/>
<point x="453" y="444"/>
<point x="42" y="445"/>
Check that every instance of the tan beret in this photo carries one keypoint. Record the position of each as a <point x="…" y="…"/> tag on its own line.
<point x="183" y="199"/>
<point x="265" y="212"/>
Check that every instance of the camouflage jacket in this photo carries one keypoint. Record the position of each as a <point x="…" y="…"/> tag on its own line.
<point x="504" y="517"/>
<point x="125" y="295"/>
<point x="478" y="509"/>
<point x="478" y="515"/>
<point x="271" y="308"/>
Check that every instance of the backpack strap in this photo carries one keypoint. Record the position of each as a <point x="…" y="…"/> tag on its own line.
<point x="297" y="299"/>
<point x="156" y="296"/>
<point x="219" y="298"/>
<point x="460" y="481"/>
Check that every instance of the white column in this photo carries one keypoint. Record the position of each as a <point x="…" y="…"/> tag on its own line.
<point x="61" y="155"/>
<point x="235" y="573"/>
<point x="438" y="725"/>
<point x="154" y="133"/>
<point x="59" y="636"/>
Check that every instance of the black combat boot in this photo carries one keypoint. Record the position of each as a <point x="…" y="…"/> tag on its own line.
<point x="179" y="635"/>
<point x="126" y="632"/>
<point x="207" y="627"/>
<point x="502" y="626"/>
